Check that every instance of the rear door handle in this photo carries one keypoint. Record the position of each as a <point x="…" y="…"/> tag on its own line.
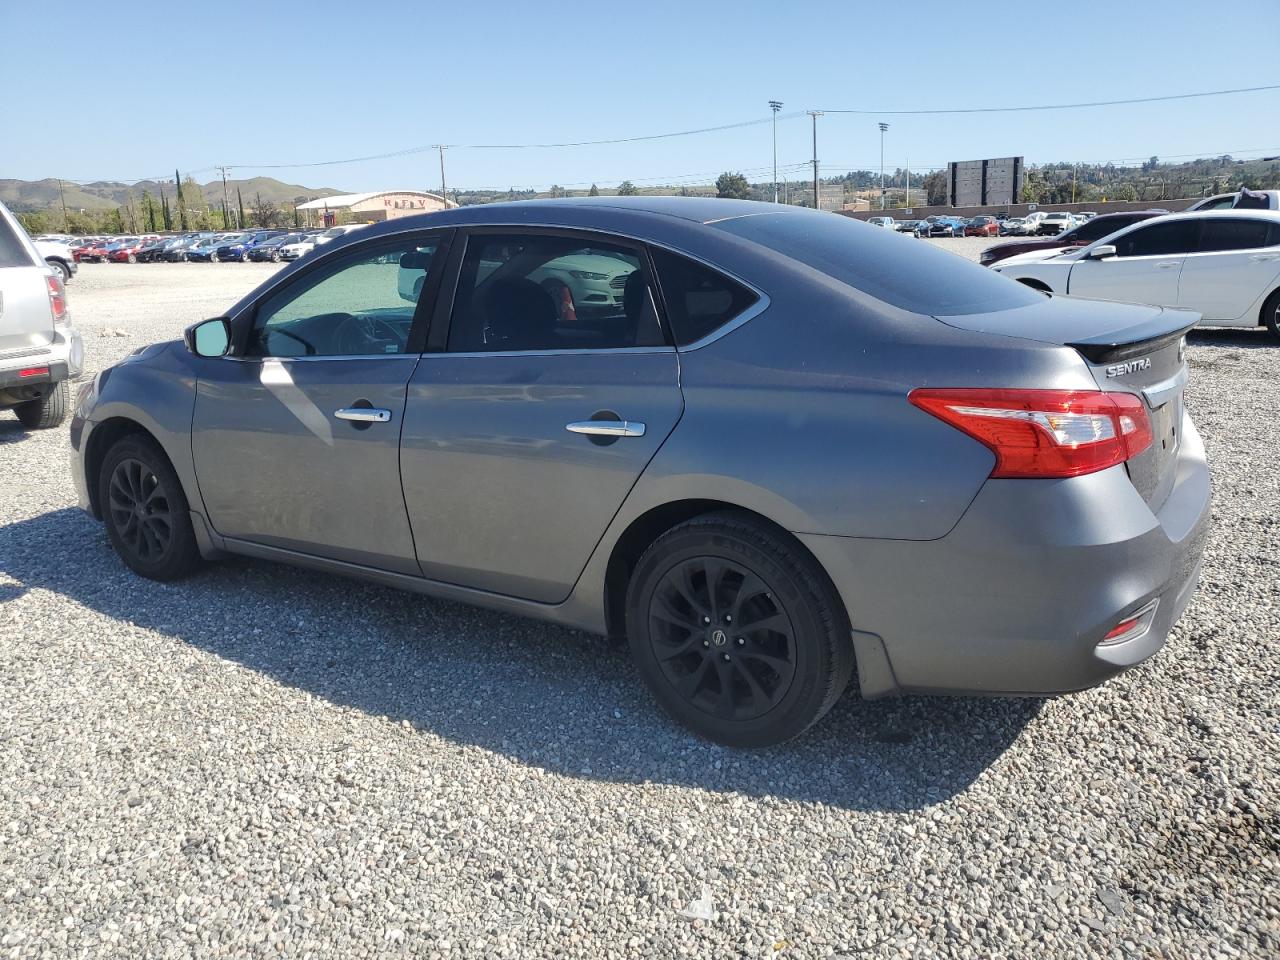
<point x="1168" y="264"/>
<point x="1264" y="257"/>
<point x="606" y="428"/>
<point x="363" y="414"/>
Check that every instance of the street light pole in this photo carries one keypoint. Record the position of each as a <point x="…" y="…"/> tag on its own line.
<point x="775" y="106"/>
<point x="815" y="114"/>
<point x="883" y="128"/>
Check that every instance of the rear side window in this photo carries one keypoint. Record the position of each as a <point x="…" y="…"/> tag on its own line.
<point x="1097" y="229"/>
<point x="1237" y="234"/>
<point x="894" y="269"/>
<point x="12" y="251"/>
<point x="1159" y="239"/>
<point x="699" y="300"/>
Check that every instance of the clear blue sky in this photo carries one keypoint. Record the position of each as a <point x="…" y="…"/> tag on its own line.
<point x="123" y="92"/>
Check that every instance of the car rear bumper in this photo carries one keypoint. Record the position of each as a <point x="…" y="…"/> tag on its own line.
<point x="1016" y="598"/>
<point x="63" y="359"/>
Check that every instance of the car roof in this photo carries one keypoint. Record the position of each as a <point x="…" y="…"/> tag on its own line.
<point x="1201" y="214"/>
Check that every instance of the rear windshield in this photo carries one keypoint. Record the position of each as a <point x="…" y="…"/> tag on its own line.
<point x="902" y="272"/>
<point x="13" y="253"/>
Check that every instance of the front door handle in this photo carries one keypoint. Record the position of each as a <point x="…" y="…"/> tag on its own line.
<point x="363" y="414"/>
<point x="606" y="428"/>
<point x="1264" y="257"/>
<point x="1168" y="264"/>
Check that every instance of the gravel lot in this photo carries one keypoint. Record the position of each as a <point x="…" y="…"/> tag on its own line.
<point x="261" y="761"/>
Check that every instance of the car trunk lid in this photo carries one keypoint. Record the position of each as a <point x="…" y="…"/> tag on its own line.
<point x="1127" y="348"/>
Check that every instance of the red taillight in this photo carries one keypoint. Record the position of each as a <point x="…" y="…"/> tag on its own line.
<point x="57" y="298"/>
<point x="33" y="372"/>
<point x="1045" y="433"/>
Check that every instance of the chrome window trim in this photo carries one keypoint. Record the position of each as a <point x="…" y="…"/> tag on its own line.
<point x="574" y="352"/>
<point x="346" y="356"/>
<point x="762" y="302"/>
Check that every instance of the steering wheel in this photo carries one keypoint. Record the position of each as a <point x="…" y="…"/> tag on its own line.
<point x="356" y="335"/>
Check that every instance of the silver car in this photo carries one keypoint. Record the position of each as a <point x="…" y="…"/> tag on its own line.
<point x="796" y="446"/>
<point x="40" y="351"/>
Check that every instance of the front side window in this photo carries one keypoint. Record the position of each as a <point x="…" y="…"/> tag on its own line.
<point x="538" y="292"/>
<point x="699" y="300"/>
<point x="1221" y="235"/>
<point x="363" y="305"/>
<point x="1159" y="240"/>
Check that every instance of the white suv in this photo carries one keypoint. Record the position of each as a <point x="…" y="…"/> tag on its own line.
<point x="40" y="352"/>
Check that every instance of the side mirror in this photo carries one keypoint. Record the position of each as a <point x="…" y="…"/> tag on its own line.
<point x="209" y="338"/>
<point x="1102" y="252"/>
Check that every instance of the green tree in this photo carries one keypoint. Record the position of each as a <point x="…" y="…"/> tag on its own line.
<point x="935" y="188"/>
<point x="557" y="191"/>
<point x="149" y="205"/>
<point x="1123" y="191"/>
<point x="241" y="222"/>
<point x="594" y="191"/>
<point x="732" y="186"/>
<point x="182" y="206"/>
<point x="165" y="213"/>
<point x="627" y="189"/>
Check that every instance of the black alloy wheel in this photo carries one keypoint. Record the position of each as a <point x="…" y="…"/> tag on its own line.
<point x="146" y="511"/>
<point x="737" y="630"/>
<point x="721" y="638"/>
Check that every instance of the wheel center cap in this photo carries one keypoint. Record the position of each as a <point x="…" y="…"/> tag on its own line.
<point x="719" y="637"/>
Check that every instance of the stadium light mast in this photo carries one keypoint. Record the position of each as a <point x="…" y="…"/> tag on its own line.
<point x="883" y="128"/>
<point x="775" y="106"/>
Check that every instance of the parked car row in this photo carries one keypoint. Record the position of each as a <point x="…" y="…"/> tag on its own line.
<point x="1039" y="223"/>
<point x="260" y="245"/>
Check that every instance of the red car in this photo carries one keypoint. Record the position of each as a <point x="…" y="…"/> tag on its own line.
<point x="127" y="251"/>
<point x="95" y="251"/>
<point x="1080" y="236"/>
<point x="982" y="227"/>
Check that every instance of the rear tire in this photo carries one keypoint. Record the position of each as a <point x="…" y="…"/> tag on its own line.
<point x="1271" y="315"/>
<point x="49" y="411"/>
<point x="62" y="268"/>
<point x="145" y="510"/>
<point x="755" y="682"/>
<point x="132" y="258"/>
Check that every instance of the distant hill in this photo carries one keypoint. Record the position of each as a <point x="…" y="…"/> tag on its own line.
<point x="37" y="195"/>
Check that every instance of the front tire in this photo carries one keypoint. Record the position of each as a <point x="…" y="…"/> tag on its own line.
<point x="1271" y="315"/>
<point x="145" y="510"/>
<point x="737" y="631"/>
<point x="213" y="258"/>
<point x="132" y="258"/>
<point x="49" y="411"/>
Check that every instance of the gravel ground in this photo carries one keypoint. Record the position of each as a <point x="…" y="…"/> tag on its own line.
<point x="261" y="761"/>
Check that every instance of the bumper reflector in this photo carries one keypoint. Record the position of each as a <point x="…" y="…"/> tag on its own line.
<point x="33" y="372"/>
<point x="1131" y="627"/>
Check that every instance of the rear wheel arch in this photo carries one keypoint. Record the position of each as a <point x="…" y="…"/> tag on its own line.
<point x="649" y="526"/>
<point x="1269" y="315"/>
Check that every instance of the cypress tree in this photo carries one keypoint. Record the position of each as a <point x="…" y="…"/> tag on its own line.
<point x="182" y="206"/>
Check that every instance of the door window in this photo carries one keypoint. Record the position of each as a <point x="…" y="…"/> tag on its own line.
<point x="1159" y="240"/>
<point x="363" y="305"/>
<point x="1224" y="234"/>
<point x="699" y="300"/>
<point x="537" y="292"/>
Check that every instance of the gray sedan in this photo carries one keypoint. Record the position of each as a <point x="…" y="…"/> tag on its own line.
<point x="794" y="446"/>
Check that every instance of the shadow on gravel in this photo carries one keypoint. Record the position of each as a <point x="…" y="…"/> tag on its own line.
<point x="1254" y="338"/>
<point x="543" y="695"/>
<point x="11" y="429"/>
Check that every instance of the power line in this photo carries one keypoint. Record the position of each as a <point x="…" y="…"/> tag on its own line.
<point x="1065" y="106"/>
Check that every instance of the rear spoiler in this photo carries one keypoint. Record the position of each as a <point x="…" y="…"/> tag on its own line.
<point x="1147" y="337"/>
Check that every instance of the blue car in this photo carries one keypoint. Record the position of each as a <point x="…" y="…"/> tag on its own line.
<point x="237" y="248"/>
<point x="947" y="227"/>
<point x="206" y="250"/>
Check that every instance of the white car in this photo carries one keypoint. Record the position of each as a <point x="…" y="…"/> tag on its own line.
<point x="1013" y="227"/>
<point x="1055" y="223"/>
<point x="1226" y="201"/>
<point x="333" y="233"/>
<point x="883" y="222"/>
<point x="300" y="248"/>
<point x="1224" y="264"/>
<point x="57" y="254"/>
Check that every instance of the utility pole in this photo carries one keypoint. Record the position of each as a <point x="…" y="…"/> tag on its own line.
<point x="444" y="193"/>
<point x="907" y="202"/>
<point x="815" y="114"/>
<point x="775" y="106"/>
<point x="226" y="200"/>
<point x="883" y="128"/>
<point x="1074" y="167"/>
<point x="66" y="225"/>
